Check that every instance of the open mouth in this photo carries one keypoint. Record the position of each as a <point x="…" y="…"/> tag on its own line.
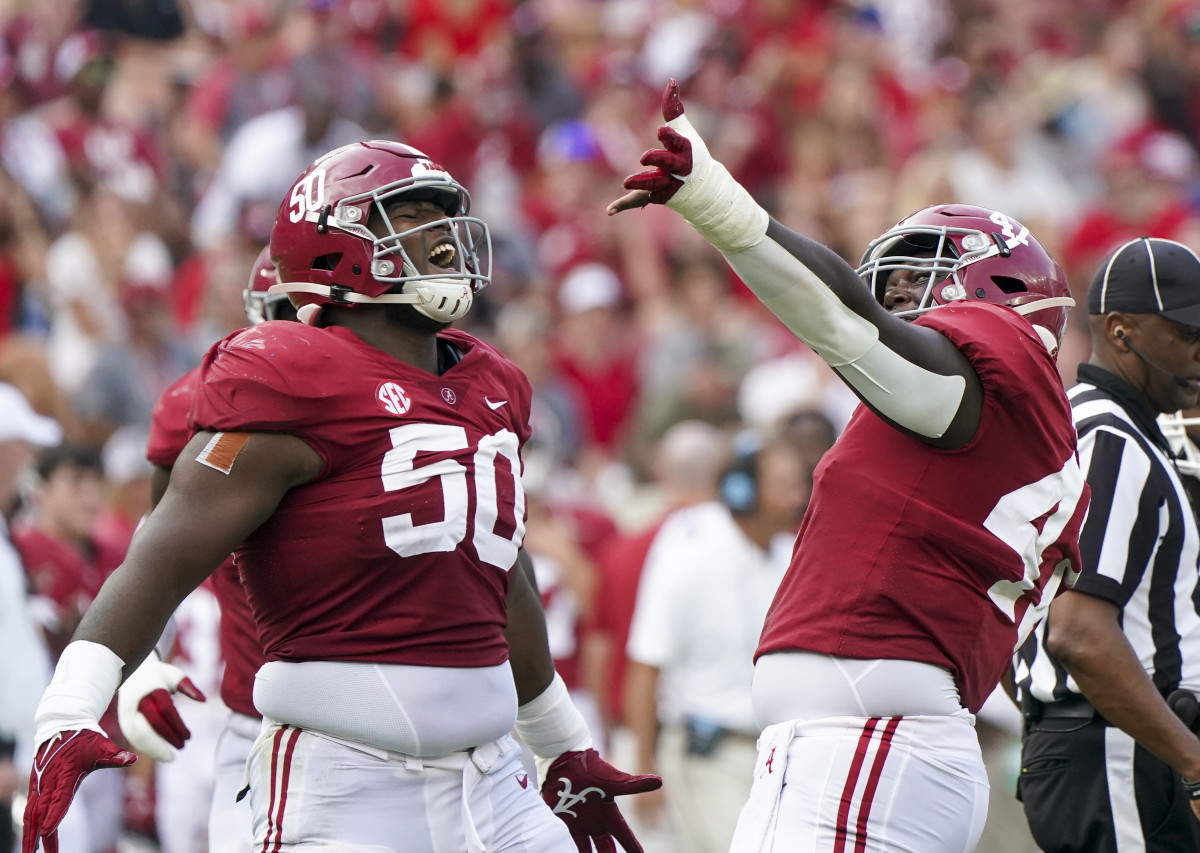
<point x="442" y="255"/>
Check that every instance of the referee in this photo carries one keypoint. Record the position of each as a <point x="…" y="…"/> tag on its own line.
<point x="1107" y="766"/>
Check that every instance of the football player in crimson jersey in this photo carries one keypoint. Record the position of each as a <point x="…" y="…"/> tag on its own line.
<point x="147" y="714"/>
<point x="364" y="467"/>
<point x="941" y="523"/>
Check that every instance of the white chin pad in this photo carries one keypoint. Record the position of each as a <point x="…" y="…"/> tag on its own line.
<point x="307" y="314"/>
<point x="444" y="302"/>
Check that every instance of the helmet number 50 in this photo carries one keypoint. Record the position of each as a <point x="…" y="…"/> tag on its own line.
<point x="399" y="472"/>
<point x="308" y="196"/>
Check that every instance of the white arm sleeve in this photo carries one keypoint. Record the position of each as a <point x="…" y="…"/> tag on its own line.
<point x="906" y="393"/>
<point x="724" y="213"/>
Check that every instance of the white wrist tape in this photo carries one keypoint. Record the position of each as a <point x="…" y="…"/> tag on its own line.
<point x="551" y="725"/>
<point x="84" y="682"/>
<point x="716" y="205"/>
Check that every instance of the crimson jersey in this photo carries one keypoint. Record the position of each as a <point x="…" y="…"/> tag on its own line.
<point x="947" y="557"/>
<point x="238" y="638"/>
<point x="399" y="551"/>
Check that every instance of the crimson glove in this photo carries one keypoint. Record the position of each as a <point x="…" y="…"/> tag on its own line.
<point x="672" y="160"/>
<point x="61" y="764"/>
<point x="579" y="789"/>
<point x="159" y="710"/>
<point x="146" y="709"/>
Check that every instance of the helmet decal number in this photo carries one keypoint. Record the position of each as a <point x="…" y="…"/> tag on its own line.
<point x="1008" y="229"/>
<point x="308" y="196"/>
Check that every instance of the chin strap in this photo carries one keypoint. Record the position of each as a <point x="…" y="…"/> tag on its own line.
<point x="441" y="299"/>
<point x="341" y="294"/>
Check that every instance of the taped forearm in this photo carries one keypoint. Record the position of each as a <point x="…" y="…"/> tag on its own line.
<point x="906" y="393"/>
<point x="85" y="679"/>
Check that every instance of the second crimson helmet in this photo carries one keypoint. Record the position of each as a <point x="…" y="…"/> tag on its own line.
<point x="261" y="305"/>
<point x="973" y="254"/>
<point x="325" y="254"/>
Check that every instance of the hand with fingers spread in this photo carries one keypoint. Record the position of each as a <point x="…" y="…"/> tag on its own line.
<point x="671" y="163"/>
<point x="685" y="177"/>
<point x="60" y="766"/>
<point x="580" y="787"/>
<point x="146" y="710"/>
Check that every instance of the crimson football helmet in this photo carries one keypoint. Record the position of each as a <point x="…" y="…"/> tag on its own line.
<point x="326" y="255"/>
<point x="978" y="255"/>
<point x="261" y="305"/>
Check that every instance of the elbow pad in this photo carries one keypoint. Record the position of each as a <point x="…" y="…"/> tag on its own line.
<point x="906" y="393"/>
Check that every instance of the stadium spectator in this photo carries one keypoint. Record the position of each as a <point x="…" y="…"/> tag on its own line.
<point x="130" y="374"/>
<point x="708" y="579"/>
<point x="685" y="468"/>
<point x="27" y="662"/>
<point x="265" y="154"/>
<point x="66" y="568"/>
<point x="1147" y="176"/>
<point x="86" y="271"/>
<point x="1106" y="760"/>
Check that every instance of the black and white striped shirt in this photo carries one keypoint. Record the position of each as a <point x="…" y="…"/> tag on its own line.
<point x="1140" y="544"/>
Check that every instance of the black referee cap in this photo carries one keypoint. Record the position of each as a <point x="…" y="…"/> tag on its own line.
<point x="1149" y="275"/>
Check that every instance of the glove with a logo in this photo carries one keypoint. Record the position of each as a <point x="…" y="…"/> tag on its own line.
<point x="579" y="789"/>
<point x="147" y="713"/>
<point x="61" y="764"/>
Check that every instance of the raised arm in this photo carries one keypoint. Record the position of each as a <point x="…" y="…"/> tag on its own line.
<point x="912" y="376"/>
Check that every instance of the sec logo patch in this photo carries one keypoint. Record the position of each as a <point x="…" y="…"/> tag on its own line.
<point x="392" y="398"/>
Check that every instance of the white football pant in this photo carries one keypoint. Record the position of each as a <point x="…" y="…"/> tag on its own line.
<point x="309" y="793"/>
<point x="866" y="785"/>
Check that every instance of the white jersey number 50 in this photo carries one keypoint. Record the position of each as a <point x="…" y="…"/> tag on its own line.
<point x="408" y="539"/>
<point x="1012" y="523"/>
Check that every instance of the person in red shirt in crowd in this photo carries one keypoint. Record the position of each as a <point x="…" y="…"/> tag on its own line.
<point x="249" y="77"/>
<point x="440" y="33"/>
<point x="941" y="524"/>
<point x="127" y="159"/>
<point x="365" y="465"/>
<point x="67" y="567"/>
<point x="686" y="468"/>
<point x="1147" y="174"/>
<point x="63" y="562"/>
<point x="596" y="354"/>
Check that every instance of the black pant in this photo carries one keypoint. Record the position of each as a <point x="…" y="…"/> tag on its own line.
<point x="1064" y="788"/>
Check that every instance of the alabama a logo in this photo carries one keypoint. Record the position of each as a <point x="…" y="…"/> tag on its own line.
<point x="567" y="801"/>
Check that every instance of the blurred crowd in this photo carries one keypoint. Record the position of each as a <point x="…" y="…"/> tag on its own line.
<point x="145" y="148"/>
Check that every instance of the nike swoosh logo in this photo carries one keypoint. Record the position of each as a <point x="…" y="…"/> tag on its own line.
<point x="523" y="781"/>
<point x="495" y="405"/>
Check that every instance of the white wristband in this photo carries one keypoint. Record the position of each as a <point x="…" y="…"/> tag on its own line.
<point x="717" y="206"/>
<point x="551" y="724"/>
<point x="84" y="682"/>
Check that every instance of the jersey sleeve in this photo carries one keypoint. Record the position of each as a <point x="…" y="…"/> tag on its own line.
<point x="1115" y="548"/>
<point x="273" y="377"/>
<point x="169" y="430"/>
<point x="1001" y="345"/>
